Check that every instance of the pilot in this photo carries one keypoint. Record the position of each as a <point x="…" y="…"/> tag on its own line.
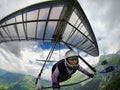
<point x="65" y="68"/>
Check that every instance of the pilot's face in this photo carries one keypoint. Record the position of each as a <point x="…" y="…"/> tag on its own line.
<point x="73" y="60"/>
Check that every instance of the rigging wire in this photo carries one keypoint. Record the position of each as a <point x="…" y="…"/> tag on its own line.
<point x="59" y="51"/>
<point x="48" y="58"/>
<point x="47" y="61"/>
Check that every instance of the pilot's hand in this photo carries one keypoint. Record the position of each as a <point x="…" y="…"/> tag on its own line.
<point x="91" y="75"/>
<point x="55" y="86"/>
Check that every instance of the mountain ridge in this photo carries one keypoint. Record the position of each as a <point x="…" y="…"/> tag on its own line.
<point x="11" y="81"/>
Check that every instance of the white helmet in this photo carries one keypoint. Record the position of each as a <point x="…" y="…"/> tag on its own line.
<point x="68" y="54"/>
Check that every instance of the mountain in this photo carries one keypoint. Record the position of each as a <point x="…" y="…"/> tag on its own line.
<point x="15" y="81"/>
<point x="118" y="52"/>
<point x="9" y="77"/>
<point x="2" y="72"/>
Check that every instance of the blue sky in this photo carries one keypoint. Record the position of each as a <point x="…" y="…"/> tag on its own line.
<point x="47" y="45"/>
<point x="103" y="15"/>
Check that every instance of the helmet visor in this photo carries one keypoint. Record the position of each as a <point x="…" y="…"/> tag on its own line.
<point x="72" y="58"/>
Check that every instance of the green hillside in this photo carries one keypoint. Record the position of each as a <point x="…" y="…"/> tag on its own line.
<point x="108" y="81"/>
<point x="14" y="81"/>
<point x="4" y="86"/>
<point x="114" y="82"/>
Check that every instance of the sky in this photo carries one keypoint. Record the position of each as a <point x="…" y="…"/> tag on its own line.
<point x="103" y="15"/>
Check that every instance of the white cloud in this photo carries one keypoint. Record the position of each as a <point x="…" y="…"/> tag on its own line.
<point x="9" y="61"/>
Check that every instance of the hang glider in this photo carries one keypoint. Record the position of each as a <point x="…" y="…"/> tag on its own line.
<point x="61" y="20"/>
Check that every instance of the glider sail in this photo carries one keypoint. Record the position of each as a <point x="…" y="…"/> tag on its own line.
<point x="63" y="20"/>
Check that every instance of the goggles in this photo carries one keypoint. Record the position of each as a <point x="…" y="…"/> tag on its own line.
<point x="73" y="58"/>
